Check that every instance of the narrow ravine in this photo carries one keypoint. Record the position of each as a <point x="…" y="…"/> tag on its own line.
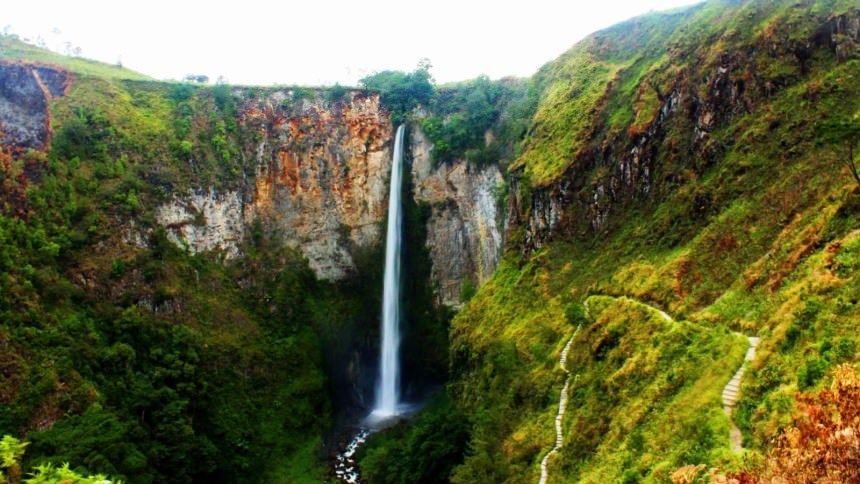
<point x="562" y="406"/>
<point x="730" y="395"/>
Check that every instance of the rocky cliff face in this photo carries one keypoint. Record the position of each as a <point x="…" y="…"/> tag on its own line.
<point x="464" y="232"/>
<point x="25" y="124"/>
<point x="25" y="90"/>
<point x="321" y="184"/>
<point x="320" y="181"/>
<point x="619" y="169"/>
<point x="204" y="221"/>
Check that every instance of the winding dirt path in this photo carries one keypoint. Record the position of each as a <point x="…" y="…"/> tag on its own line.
<point x="730" y="395"/>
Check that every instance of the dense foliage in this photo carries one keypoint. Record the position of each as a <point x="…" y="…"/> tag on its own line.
<point x="163" y="365"/>
<point x="481" y="120"/>
<point x="462" y="115"/>
<point x="746" y="220"/>
<point x="401" y="91"/>
<point x="11" y="451"/>
<point x="424" y="450"/>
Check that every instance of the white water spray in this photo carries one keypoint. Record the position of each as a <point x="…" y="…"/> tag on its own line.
<point x="388" y="387"/>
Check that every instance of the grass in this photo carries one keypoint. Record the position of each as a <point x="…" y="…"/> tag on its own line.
<point x="646" y="395"/>
<point x="13" y="49"/>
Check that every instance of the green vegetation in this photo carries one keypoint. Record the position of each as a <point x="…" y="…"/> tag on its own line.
<point x="845" y="132"/>
<point x="646" y="397"/>
<point x="463" y="118"/>
<point x="481" y="121"/>
<point x="421" y="451"/>
<point x="12" y="48"/>
<point x="754" y="231"/>
<point x="402" y="92"/>
<point x="11" y="451"/>
<point x="218" y="388"/>
<point x="151" y="364"/>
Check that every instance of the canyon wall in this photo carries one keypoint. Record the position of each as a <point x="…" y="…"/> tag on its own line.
<point x="321" y="184"/>
<point x="464" y="232"/>
<point x="677" y="117"/>
<point x="316" y="177"/>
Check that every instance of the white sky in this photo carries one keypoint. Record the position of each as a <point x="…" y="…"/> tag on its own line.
<point x="318" y="42"/>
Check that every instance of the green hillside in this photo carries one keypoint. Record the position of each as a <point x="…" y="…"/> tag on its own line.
<point x="12" y="48"/>
<point x="751" y="228"/>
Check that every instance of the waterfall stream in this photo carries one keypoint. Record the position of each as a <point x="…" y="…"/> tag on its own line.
<point x="388" y="385"/>
<point x="387" y="405"/>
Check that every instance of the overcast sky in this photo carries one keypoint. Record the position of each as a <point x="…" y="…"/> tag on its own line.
<point x="320" y="41"/>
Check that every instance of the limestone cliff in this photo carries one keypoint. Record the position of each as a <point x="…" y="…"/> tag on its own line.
<point x="316" y="176"/>
<point x="464" y="232"/>
<point x="320" y="182"/>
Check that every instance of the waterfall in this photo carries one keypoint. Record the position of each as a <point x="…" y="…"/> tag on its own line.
<point x="387" y="391"/>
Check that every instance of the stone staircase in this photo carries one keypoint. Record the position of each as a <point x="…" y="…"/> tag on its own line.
<point x="562" y="407"/>
<point x="730" y="394"/>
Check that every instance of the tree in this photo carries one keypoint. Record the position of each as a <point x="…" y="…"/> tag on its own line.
<point x="401" y="92"/>
<point x="11" y="451"/>
<point x="845" y="132"/>
<point x="201" y="78"/>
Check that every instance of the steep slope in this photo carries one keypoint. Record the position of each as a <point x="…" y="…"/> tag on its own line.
<point x="676" y="159"/>
<point x="122" y="353"/>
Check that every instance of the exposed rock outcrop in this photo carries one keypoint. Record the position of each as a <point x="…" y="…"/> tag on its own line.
<point x="464" y="232"/>
<point x="618" y="169"/>
<point x="25" y="90"/>
<point x="321" y="184"/>
<point x="204" y="221"/>
<point x="320" y="181"/>
<point x="322" y="174"/>
<point x="25" y="124"/>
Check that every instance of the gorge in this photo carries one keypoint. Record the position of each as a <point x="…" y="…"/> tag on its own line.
<point x="219" y="283"/>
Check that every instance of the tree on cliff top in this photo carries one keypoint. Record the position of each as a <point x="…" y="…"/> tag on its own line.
<point x="401" y="92"/>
